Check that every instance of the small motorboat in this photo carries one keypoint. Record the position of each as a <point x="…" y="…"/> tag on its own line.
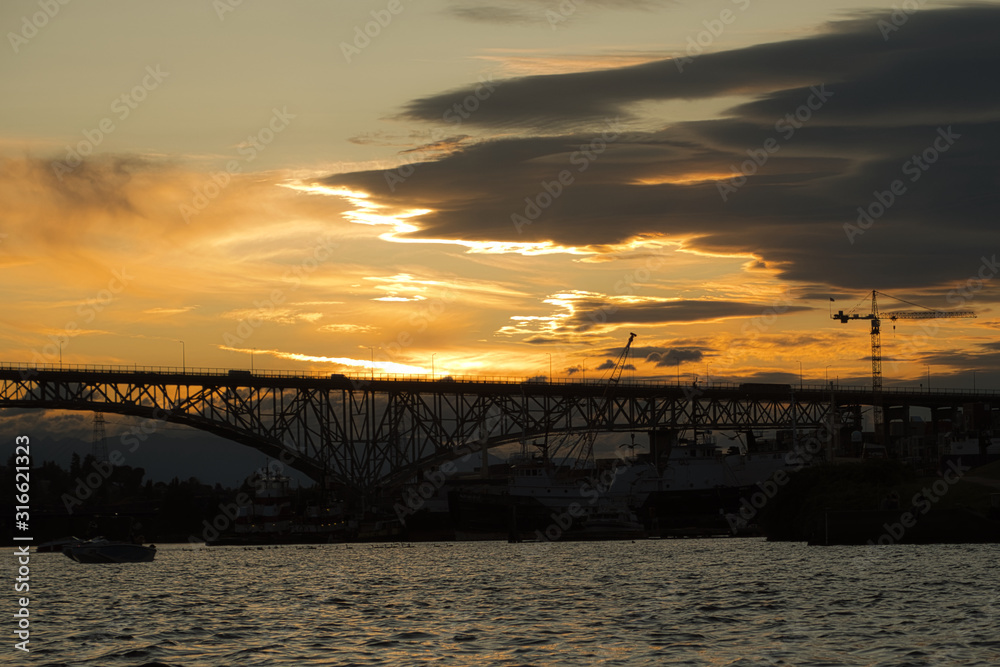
<point x="101" y="550"/>
<point x="56" y="545"/>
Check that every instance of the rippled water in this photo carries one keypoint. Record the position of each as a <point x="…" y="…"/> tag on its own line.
<point x="655" y="602"/>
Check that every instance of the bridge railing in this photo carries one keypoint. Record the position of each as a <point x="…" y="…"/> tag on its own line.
<point x="365" y="376"/>
<point x="359" y="376"/>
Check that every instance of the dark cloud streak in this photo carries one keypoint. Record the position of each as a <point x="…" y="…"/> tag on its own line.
<point x="889" y="102"/>
<point x="590" y="313"/>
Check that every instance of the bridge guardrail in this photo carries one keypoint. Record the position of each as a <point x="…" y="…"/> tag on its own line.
<point x="470" y="379"/>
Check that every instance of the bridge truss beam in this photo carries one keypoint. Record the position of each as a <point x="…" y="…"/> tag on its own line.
<point x="365" y="435"/>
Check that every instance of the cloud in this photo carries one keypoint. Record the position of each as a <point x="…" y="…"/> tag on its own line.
<point x="347" y="328"/>
<point x="661" y="356"/>
<point x="276" y="315"/>
<point x="674" y="356"/>
<point x="610" y="363"/>
<point x="169" y="311"/>
<point x="342" y="362"/>
<point x="126" y="210"/>
<point x="580" y="312"/>
<point x="879" y="78"/>
<point x="544" y="12"/>
<point x="878" y="107"/>
<point x="591" y="313"/>
<point x="541" y="340"/>
<point x="496" y="13"/>
<point x="981" y="361"/>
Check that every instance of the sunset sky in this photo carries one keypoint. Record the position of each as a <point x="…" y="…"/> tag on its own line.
<point x="498" y="184"/>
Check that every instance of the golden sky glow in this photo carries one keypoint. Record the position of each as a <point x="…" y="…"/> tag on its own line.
<point x="211" y="213"/>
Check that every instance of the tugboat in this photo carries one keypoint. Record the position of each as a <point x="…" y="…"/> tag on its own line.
<point x="271" y="519"/>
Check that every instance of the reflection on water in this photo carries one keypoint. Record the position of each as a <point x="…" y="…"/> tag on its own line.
<point x="683" y="602"/>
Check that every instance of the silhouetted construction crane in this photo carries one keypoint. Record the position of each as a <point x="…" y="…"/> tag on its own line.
<point x="876" y="318"/>
<point x="604" y="408"/>
<point x="620" y="363"/>
<point x="581" y="448"/>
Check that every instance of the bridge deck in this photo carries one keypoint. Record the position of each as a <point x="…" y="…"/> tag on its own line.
<point x="469" y="383"/>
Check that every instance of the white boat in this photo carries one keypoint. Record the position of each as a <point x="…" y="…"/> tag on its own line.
<point x="100" y="550"/>
<point x="610" y="524"/>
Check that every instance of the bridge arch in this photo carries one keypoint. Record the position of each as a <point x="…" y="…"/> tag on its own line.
<point x="270" y="447"/>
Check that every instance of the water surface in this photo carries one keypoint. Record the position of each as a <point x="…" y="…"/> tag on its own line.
<point x="651" y="602"/>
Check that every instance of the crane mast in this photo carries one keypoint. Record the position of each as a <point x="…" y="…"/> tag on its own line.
<point x="876" y="350"/>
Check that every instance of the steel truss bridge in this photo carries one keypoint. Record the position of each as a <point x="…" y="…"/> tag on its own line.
<point x="369" y="433"/>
